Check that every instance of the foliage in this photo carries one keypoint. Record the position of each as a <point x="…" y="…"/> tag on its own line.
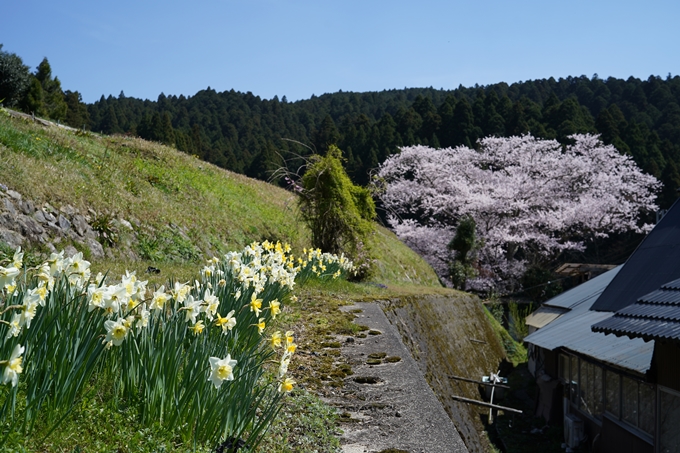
<point x="463" y="243"/>
<point x="305" y="424"/>
<point x="195" y="360"/>
<point x="337" y="212"/>
<point x="14" y="78"/>
<point x="515" y="351"/>
<point x="539" y="285"/>
<point x="517" y="314"/>
<point x="530" y="199"/>
<point x="106" y="231"/>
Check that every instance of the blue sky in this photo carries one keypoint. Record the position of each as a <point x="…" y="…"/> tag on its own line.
<point x="300" y="48"/>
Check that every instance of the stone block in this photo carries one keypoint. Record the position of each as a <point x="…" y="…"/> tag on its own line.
<point x="9" y="206"/>
<point x="64" y="223"/>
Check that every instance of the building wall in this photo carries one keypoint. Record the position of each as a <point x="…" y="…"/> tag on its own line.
<point x="666" y="365"/>
<point x="616" y="439"/>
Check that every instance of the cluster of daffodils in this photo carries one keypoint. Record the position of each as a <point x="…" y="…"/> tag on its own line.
<point x="285" y="342"/>
<point x="236" y="297"/>
<point x="21" y="304"/>
<point x="323" y="266"/>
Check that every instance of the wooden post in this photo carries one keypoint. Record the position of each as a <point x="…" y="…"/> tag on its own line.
<point x="482" y="403"/>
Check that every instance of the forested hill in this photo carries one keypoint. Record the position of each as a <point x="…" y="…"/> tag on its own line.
<point x="243" y="132"/>
<point x="247" y="134"/>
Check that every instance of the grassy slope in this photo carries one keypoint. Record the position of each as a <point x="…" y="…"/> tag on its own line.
<point x="158" y="186"/>
<point x="154" y="186"/>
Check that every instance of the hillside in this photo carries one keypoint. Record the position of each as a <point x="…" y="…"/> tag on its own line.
<point x="160" y="207"/>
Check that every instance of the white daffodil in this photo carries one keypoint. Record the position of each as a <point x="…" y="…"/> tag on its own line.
<point x="116" y="331"/>
<point x="192" y="307"/>
<point x="13" y="366"/>
<point x="180" y="291"/>
<point x="15" y="326"/>
<point x="287" y="385"/>
<point x="159" y="299"/>
<point x="227" y="323"/>
<point x="98" y="297"/>
<point x="7" y="275"/>
<point x="18" y="258"/>
<point x="283" y="366"/>
<point x="28" y="310"/>
<point x="212" y="303"/>
<point x="142" y="317"/>
<point x="221" y="370"/>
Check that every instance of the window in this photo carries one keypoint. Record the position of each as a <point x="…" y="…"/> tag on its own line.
<point x="638" y="404"/>
<point x="629" y="407"/>
<point x="613" y="393"/>
<point x="591" y="389"/>
<point x="574" y="381"/>
<point x="669" y="420"/>
<point x="563" y="367"/>
<point x="647" y="407"/>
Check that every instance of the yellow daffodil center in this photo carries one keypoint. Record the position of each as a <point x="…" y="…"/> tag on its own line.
<point x="15" y="365"/>
<point x="223" y="371"/>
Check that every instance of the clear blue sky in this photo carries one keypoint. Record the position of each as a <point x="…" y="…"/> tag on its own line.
<point x="300" y="48"/>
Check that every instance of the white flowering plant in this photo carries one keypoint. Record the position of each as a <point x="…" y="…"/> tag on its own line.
<point x="199" y="358"/>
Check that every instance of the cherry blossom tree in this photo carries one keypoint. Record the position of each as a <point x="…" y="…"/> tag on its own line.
<point x="530" y="199"/>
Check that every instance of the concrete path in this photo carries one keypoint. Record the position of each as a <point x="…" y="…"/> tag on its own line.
<point x="389" y="405"/>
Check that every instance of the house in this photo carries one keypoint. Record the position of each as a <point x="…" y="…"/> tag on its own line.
<point x="655" y="317"/>
<point x="619" y="387"/>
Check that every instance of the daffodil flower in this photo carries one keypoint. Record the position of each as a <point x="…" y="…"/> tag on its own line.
<point x="283" y="366"/>
<point x="192" y="307"/>
<point x="159" y="299"/>
<point x="221" y="370"/>
<point x="18" y="258"/>
<point x="260" y="325"/>
<point x="276" y="339"/>
<point x="197" y="328"/>
<point x="116" y="331"/>
<point x="227" y="323"/>
<point x="15" y="326"/>
<point x="7" y="275"/>
<point x="274" y="308"/>
<point x="255" y="304"/>
<point x="212" y="304"/>
<point x="287" y="385"/>
<point x="13" y="366"/>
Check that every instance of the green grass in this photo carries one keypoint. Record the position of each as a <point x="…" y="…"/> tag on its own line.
<point x="515" y="351"/>
<point x="182" y="210"/>
<point x="180" y="207"/>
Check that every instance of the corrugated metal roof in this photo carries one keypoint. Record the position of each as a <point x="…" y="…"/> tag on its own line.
<point x="653" y="263"/>
<point x="654" y="316"/>
<point x="543" y="316"/>
<point x="572" y="330"/>
<point x="640" y="328"/>
<point x="584" y="293"/>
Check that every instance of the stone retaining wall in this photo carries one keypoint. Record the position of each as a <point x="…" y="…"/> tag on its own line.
<point x="22" y="223"/>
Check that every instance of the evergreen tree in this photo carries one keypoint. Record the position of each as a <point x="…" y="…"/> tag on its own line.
<point x="14" y="78"/>
<point x="77" y="114"/>
<point x="54" y="104"/>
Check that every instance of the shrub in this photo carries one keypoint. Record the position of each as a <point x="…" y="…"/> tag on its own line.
<point x="338" y="213"/>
